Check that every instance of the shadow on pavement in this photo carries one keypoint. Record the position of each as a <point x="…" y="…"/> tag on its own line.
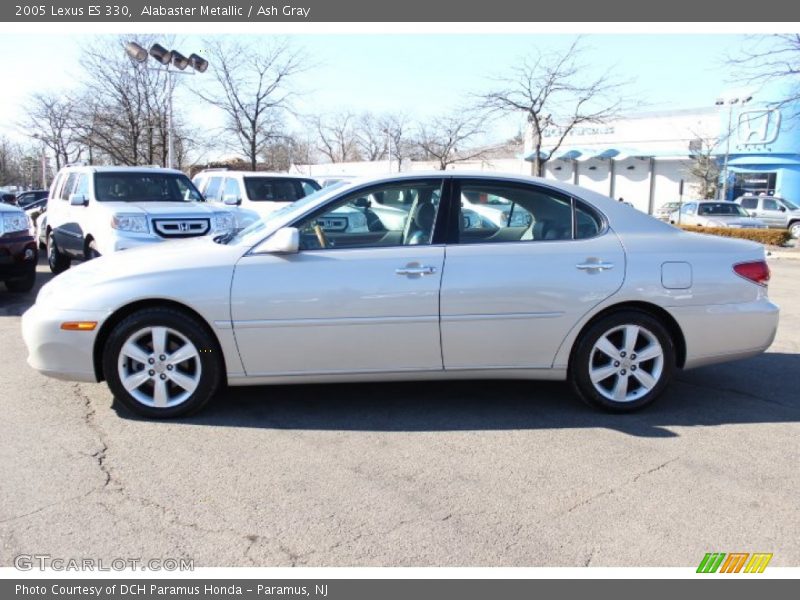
<point x="12" y="304"/>
<point x="758" y="390"/>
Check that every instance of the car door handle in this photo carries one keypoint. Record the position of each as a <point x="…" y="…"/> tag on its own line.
<point x="415" y="270"/>
<point x="592" y="266"/>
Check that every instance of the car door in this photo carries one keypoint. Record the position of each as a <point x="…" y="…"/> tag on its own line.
<point x="510" y="293"/>
<point x="351" y="300"/>
<point x="771" y="213"/>
<point x="68" y="233"/>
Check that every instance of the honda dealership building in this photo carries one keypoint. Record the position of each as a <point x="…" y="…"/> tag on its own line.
<point x="643" y="158"/>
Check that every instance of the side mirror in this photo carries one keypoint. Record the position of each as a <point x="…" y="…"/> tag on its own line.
<point x="782" y="209"/>
<point x="752" y="213"/>
<point x="231" y="200"/>
<point x="362" y="203"/>
<point x="284" y="241"/>
<point x="78" y="200"/>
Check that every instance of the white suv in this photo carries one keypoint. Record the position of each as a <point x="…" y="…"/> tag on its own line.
<point x="256" y="193"/>
<point x="99" y="210"/>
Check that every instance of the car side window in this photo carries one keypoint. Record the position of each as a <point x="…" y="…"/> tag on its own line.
<point x="750" y="203"/>
<point x="69" y="185"/>
<point x="500" y="212"/>
<point x="213" y="188"/>
<point x="770" y="205"/>
<point x="308" y="188"/>
<point x="362" y="220"/>
<point x="82" y="186"/>
<point x="232" y="188"/>
<point x="690" y="209"/>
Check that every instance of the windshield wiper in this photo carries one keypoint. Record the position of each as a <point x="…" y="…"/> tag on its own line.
<point x="224" y="238"/>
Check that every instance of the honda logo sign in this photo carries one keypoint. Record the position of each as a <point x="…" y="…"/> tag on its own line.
<point x="760" y="126"/>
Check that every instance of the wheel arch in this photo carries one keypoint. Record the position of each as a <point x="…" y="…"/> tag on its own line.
<point x="125" y="311"/>
<point x="645" y="307"/>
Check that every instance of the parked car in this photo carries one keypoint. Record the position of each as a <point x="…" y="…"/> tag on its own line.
<point x="99" y="210"/>
<point x="775" y="212"/>
<point x="665" y="211"/>
<point x="25" y="199"/>
<point x="591" y="292"/>
<point x="715" y="213"/>
<point x="18" y="252"/>
<point x="255" y="193"/>
<point x="40" y="231"/>
<point x="8" y="198"/>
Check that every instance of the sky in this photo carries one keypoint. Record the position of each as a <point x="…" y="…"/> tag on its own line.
<point x="421" y="75"/>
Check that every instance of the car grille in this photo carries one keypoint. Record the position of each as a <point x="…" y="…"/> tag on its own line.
<point x="181" y="228"/>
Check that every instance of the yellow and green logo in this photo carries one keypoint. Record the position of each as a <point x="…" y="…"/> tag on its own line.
<point x="734" y="562"/>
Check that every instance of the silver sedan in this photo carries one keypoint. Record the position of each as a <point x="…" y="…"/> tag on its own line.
<point x="586" y="290"/>
<point x="713" y="213"/>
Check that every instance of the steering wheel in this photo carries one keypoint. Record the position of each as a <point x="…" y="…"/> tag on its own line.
<point x="323" y="241"/>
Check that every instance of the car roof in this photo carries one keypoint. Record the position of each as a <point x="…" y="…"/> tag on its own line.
<point x="119" y="169"/>
<point x="226" y="172"/>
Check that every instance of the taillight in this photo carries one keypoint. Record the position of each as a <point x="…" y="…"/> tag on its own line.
<point x="756" y="271"/>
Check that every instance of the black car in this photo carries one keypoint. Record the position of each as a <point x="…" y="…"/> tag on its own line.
<point x="18" y="250"/>
<point x="25" y="199"/>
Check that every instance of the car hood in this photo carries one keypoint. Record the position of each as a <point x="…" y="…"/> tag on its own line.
<point x="141" y="272"/>
<point x="159" y="208"/>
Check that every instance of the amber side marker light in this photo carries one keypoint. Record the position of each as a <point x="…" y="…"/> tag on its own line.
<point x="79" y="325"/>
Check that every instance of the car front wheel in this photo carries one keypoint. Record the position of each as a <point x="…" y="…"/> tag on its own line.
<point x="161" y="363"/>
<point x="57" y="261"/>
<point x="794" y="230"/>
<point x="623" y="362"/>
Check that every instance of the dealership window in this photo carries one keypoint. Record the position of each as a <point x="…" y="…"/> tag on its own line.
<point x="753" y="184"/>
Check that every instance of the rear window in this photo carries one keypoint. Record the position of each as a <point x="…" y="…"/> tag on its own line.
<point x="144" y="187"/>
<point x="278" y="189"/>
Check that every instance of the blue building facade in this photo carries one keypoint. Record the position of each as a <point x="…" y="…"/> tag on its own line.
<point x="763" y="151"/>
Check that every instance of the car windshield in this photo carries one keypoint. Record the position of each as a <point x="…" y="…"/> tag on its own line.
<point x="789" y="205"/>
<point x="254" y="231"/>
<point x="721" y="208"/>
<point x="144" y="187"/>
<point x="278" y="189"/>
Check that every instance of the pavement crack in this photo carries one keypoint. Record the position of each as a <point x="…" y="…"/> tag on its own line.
<point x="612" y="490"/>
<point x="101" y="454"/>
<point x="589" y="558"/>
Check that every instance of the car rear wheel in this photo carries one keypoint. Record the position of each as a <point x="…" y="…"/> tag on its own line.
<point x="623" y="362"/>
<point x="57" y="261"/>
<point x="161" y="363"/>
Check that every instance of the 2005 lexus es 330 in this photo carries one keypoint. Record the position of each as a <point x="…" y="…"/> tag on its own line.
<point x="403" y="277"/>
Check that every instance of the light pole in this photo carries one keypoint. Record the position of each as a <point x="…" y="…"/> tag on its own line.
<point x="36" y="136"/>
<point x="178" y="61"/>
<point x="729" y="101"/>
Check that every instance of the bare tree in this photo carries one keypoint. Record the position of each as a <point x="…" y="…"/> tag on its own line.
<point x="554" y="94"/>
<point x="770" y="59"/>
<point x="448" y="139"/>
<point x="370" y="137"/>
<point x="11" y="163"/>
<point x="282" y="152"/>
<point x="337" y="137"/>
<point x="122" y="113"/>
<point x="252" y="90"/>
<point x="705" y="165"/>
<point x="50" y="119"/>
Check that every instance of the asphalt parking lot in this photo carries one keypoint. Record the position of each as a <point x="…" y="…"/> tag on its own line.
<point x="427" y="474"/>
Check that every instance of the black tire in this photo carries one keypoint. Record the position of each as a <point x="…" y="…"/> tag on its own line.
<point x="209" y="359"/>
<point x="22" y="284"/>
<point x="56" y="260"/>
<point x="587" y="359"/>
